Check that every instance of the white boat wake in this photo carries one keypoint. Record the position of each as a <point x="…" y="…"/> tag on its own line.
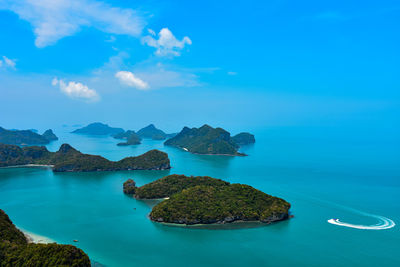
<point x="384" y="223"/>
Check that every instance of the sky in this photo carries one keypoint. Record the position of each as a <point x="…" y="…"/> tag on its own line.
<point x="235" y="64"/>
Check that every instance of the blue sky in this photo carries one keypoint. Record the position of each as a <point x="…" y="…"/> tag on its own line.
<point x="237" y="64"/>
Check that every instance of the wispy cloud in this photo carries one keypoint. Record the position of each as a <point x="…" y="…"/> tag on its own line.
<point x="232" y="73"/>
<point x="76" y="90"/>
<point x="53" y="20"/>
<point x="166" y="44"/>
<point x="7" y="63"/>
<point x="129" y="79"/>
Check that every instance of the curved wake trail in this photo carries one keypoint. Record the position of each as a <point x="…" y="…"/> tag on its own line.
<point x="384" y="223"/>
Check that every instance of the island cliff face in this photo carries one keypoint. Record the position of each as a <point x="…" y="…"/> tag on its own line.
<point x="206" y="200"/>
<point x="98" y="128"/>
<point x="16" y="251"/>
<point x="25" y="137"/>
<point x="69" y="159"/>
<point x="205" y="140"/>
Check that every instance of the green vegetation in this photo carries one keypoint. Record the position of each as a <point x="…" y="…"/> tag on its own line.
<point x="98" y="128"/>
<point x="129" y="187"/>
<point x="49" y="135"/>
<point x="69" y="159"/>
<point x="205" y="200"/>
<point x="205" y="140"/>
<point x="131" y="138"/>
<point x="220" y="204"/>
<point x="152" y="132"/>
<point x="24" y="137"/>
<point x="15" y="250"/>
<point x="171" y="184"/>
<point x="244" y="139"/>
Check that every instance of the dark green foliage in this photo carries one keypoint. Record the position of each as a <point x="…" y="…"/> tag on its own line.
<point x="69" y="159"/>
<point x="49" y="135"/>
<point x="8" y="231"/>
<point x="129" y="187"/>
<point x="24" y="137"/>
<point x="171" y="184"/>
<point x="220" y="204"/>
<point x="132" y="139"/>
<point x="152" y="132"/>
<point x="98" y="128"/>
<point x="205" y="140"/>
<point x="15" y="250"/>
<point x="244" y="139"/>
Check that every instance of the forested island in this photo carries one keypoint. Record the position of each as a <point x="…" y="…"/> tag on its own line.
<point x="26" y="137"/>
<point x="209" y="140"/>
<point x="98" y="128"/>
<point x="15" y="250"/>
<point x="69" y="159"/>
<point x="206" y="200"/>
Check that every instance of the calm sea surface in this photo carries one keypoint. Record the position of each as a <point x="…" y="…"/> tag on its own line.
<point x="323" y="173"/>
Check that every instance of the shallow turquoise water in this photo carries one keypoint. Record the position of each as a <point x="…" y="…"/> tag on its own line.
<point x="323" y="173"/>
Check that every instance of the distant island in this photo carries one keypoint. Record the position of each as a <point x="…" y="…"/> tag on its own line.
<point x="130" y="136"/>
<point x="209" y="140"/>
<point x="243" y="139"/>
<point x="152" y="132"/>
<point x="206" y="200"/>
<point x="68" y="159"/>
<point x="49" y="135"/>
<point x="26" y="137"/>
<point x="15" y="249"/>
<point x="98" y="128"/>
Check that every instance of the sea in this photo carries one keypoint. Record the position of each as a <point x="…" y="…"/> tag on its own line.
<point x="349" y="175"/>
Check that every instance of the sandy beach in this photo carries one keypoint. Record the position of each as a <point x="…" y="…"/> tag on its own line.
<point x="37" y="239"/>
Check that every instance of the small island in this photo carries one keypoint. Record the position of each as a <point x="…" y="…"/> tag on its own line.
<point x="68" y="159"/>
<point x="205" y="140"/>
<point x="206" y="200"/>
<point x="26" y="137"/>
<point x="49" y="135"/>
<point x="130" y="136"/>
<point x="15" y="249"/>
<point x="98" y="128"/>
<point x="152" y="132"/>
<point x="243" y="139"/>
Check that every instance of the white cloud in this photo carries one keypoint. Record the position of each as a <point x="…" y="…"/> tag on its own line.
<point x="166" y="44"/>
<point x="53" y="20"/>
<point x="151" y="32"/>
<point x="232" y="73"/>
<point x="76" y="90"/>
<point x="8" y="63"/>
<point x="129" y="79"/>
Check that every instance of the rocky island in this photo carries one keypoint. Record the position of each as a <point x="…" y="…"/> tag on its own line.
<point x="205" y="140"/>
<point x="98" y="128"/>
<point x="206" y="200"/>
<point x="26" y="137"/>
<point x="69" y="159"/>
<point x="15" y="250"/>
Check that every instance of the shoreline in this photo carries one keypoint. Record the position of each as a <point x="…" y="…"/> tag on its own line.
<point x="29" y="166"/>
<point x="35" y="238"/>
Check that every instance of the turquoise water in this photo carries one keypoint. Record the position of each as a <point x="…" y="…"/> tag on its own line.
<point x="324" y="173"/>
